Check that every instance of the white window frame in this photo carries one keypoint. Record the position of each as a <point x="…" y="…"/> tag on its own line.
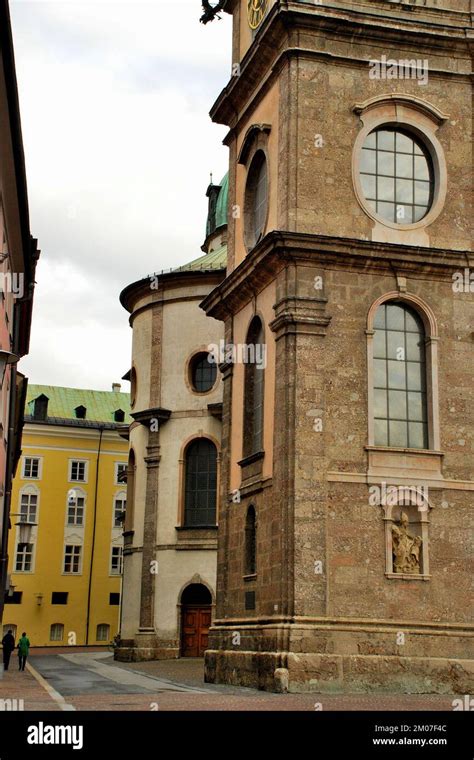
<point x="40" y="467"/>
<point x="28" y="491"/>
<point x="59" y="627"/>
<point x="105" y="626"/>
<point x="23" y="553"/>
<point x="119" y="570"/>
<point x="117" y="465"/>
<point x="79" y="495"/>
<point x="122" y="497"/>
<point x="85" y="462"/>
<point x="73" y="554"/>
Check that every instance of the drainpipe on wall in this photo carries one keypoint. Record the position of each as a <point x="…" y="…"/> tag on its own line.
<point x="9" y="463"/>
<point x="93" y="536"/>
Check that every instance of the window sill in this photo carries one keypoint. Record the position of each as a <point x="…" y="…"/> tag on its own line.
<point x="401" y="450"/>
<point x="258" y="455"/>
<point x="400" y="463"/>
<point x="195" y="527"/>
<point x="198" y="537"/>
<point x="249" y="578"/>
<point x="408" y="577"/>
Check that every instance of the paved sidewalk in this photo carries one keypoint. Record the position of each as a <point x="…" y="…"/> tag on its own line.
<point x="81" y="680"/>
<point x="16" y="685"/>
<point x="190" y="672"/>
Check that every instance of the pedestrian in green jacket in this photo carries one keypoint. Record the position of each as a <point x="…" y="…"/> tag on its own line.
<point x="23" y="651"/>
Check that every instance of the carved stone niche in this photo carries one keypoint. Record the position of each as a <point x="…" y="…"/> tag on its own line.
<point x="406" y="517"/>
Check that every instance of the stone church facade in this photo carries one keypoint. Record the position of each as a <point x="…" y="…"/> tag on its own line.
<point x="347" y="471"/>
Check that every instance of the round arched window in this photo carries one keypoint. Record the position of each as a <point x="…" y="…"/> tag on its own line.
<point x="203" y="373"/>
<point x="256" y="199"/>
<point x="396" y="174"/>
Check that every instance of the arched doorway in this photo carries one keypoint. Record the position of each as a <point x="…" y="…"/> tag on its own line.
<point x="196" y="607"/>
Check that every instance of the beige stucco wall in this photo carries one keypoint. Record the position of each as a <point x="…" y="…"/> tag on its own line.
<point x="176" y="570"/>
<point x="165" y="337"/>
<point x="186" y="330"/>
<point x="141" y="353"/>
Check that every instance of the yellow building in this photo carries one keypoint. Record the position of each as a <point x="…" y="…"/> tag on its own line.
<point x="68" y="501"/>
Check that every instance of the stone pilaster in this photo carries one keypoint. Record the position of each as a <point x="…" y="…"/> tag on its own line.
<point x="152" y="461"/>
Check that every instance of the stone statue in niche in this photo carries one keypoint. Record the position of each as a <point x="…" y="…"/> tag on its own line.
<point x="406" y="548"/>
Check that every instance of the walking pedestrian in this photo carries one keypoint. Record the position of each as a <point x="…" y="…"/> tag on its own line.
<point x="23" y="651"/>
<point x="8" y="644"/>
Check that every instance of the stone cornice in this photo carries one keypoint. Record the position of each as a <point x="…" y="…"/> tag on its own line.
<point x="300" y="315"/>
<point x="275" y="43"/>
<point x="277" y="249"/>
<point x="343" y="623"/>
<point x="185" y="279"/>
<point x="146" y="415"/>
<point x="42" y="430"/>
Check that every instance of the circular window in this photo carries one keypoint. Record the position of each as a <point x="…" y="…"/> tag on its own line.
<point x="256" y="199"/>
<point x="203" y="372"/>
<point x="396" y="175"/>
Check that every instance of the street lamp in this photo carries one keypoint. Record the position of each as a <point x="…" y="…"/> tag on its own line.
<point x="25" y="526"/>
<point x="6" y="357"/>
<point x="10" y="588"/>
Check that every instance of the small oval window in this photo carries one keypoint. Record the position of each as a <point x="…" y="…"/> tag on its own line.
<point x="203" y="373"/>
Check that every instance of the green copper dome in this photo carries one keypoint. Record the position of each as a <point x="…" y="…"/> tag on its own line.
<point x="221" y="206"/>
<point x="217" y="208"/>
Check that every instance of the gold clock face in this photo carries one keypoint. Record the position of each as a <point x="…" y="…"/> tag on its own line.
<point x="256" y="11"/>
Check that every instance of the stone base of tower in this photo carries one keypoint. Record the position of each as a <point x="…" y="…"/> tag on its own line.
<point x="343" y="656"/>
<point x="146" y="646"/>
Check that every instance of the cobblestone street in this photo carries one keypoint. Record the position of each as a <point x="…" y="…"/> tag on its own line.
<point x="91" y="680"/>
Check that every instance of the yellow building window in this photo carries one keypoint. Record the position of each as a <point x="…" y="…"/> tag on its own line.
<point x="56" y="632"/>
<point x="103" y="632"/>
<point x="72" y="559"/>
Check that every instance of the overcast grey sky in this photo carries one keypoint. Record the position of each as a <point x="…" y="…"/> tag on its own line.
<point x="114" y="102"/>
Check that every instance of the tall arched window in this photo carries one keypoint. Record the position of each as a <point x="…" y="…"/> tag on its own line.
<point x="256" y="199"/>
<point x="400" y="392"/>
<point x="254" y="389"/>
<point x="251" y="542"/>
<point x="200" y="484"/>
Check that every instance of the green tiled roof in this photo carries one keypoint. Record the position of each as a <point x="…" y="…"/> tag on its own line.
<point x="100" y="405"/>
<point x="215" y="260"/>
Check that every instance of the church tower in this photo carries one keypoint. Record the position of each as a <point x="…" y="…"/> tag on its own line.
<point x="347" y="473"/>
